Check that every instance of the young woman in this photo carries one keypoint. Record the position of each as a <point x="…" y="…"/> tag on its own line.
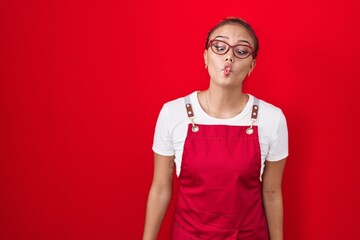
<point x="229" y="149"/>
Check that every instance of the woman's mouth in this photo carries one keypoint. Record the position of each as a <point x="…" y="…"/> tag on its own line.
<point x="227" y="70"/>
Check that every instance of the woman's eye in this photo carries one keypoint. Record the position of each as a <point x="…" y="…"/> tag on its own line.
<point x="220" y="48"/>
<point x="242" y="52"/>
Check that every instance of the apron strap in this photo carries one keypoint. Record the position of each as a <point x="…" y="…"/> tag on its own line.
<point x="254" y="115"/>
<point x="190" y="113"/>
<point x="191" y="116"/>
<point x="188" y="106"/>
<point x="255" y="109"/>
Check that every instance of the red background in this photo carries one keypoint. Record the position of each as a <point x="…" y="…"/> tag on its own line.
<point x="82" y="83"/>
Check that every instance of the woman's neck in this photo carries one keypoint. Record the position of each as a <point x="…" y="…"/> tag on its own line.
<point x="223" y="103"/>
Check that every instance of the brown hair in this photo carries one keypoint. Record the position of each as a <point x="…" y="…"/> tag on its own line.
<point x="241" y="22"/>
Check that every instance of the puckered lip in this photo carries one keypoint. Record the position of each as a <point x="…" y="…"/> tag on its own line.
<point x="227" y="69"/>
<point x="227" y="66"/>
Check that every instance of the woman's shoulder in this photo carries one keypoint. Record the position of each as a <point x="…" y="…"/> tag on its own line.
<point x="269" y="111"/>
<point x="177" y="103"/>
<point x="269" y="106"/>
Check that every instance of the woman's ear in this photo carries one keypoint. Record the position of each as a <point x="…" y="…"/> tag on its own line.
<point x="252" y="66"/>
<point x="205" y="58"/>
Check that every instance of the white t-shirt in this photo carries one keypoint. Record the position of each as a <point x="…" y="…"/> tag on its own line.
<point x="172" y="124"/>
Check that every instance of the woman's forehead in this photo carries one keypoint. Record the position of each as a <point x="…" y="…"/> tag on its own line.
<point x="233" y="32"/>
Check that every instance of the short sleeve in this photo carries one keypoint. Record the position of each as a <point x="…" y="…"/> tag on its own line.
<point x="162" y="143"/>
<point x="279" y="144"/>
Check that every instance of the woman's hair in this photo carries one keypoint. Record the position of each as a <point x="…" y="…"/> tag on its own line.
<point x="241" y="22"/>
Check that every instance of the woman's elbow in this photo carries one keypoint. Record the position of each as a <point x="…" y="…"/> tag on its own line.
<point x="272" y="195"/>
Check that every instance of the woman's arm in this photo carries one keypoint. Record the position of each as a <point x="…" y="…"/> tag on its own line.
<point x="272" y="197"/>
<point x="159" y="195"/>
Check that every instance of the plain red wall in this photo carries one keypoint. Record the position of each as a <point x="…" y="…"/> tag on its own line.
<point x="82" y="83"/>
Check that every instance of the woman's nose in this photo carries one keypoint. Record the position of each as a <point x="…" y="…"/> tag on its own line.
<point x="229" y="59"/>
<point x="229" y="56"/>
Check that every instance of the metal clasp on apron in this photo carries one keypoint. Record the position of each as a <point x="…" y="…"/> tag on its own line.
<point x="190" y="114"/>
<point x="254" y="115"/>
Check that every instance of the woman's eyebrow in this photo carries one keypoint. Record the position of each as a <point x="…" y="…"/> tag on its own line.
<point x="220" y="36"/>
<point x="243" y="41"/>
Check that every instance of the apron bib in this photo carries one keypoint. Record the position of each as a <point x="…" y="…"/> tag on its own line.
<point x="219" y="190"/>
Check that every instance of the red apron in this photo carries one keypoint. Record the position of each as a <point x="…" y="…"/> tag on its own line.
<point x="219" y="190"/>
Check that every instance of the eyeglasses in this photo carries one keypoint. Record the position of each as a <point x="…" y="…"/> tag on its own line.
<point x="240" y="51"/>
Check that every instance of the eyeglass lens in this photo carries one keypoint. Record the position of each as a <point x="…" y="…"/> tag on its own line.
<point x="240" y="51"/>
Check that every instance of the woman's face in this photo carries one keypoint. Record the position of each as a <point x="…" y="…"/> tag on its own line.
<point x="229" y="70"/>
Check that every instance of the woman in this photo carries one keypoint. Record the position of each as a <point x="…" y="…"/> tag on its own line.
<point x="229" y="150"/>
